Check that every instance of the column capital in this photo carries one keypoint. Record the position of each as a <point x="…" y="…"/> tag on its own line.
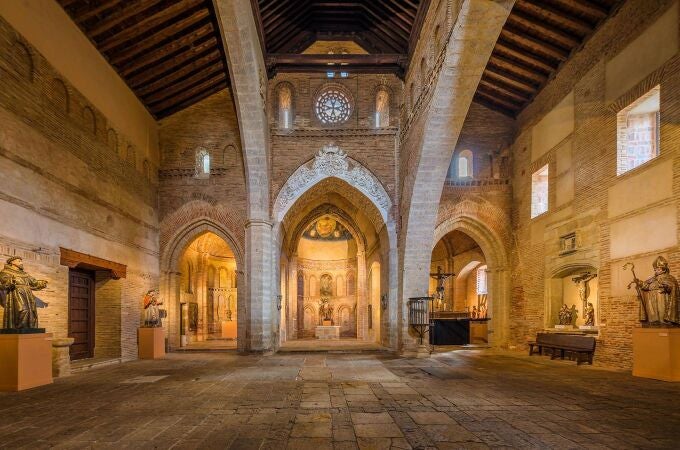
<point x="259" y="223"/>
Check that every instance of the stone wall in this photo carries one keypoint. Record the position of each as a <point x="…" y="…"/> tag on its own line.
<point x="616" y="219"/>
<point x="72" y="180"/>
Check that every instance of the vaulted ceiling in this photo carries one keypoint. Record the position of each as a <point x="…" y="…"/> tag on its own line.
<point x="538" y="37"/>
<point x="387" y="29"/>
<point x="169" y="52"/>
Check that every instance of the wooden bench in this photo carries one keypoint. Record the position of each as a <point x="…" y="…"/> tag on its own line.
<point x="564" y="343"/>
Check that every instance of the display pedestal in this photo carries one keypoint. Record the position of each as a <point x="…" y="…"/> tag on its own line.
<point x="61" y="359"/>
<point x="328" y="332"/>
<point x="656" y="353"/>
<point x="229" y="329"/>
<point x="479" y="332"/>
<point x="26" y="361"/>
<point x="151" y="343"/>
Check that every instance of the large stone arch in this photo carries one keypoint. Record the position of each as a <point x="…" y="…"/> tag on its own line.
<point x="332" y="169"/>
<point x="430" y="136"/>
<point x="498" y="268"/>
<point x="170" y="274"/>
<point x="332" y="162"/>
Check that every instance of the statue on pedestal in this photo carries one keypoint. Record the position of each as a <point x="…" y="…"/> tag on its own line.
<point x="566" y="315"/>
<point x="17" y="299"/>
<point x="589" y="315"/>
<point x="658" y="295"/>
<point x="153" y="315"/>
<point x="325" y="311"/>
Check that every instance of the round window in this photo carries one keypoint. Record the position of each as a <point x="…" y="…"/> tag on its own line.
<point x="333" y="106"/>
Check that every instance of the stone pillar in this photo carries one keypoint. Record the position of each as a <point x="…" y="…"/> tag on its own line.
<point x="202" y="295"/>
<point x="257" y="314"/>
<point x="170" y="295"/>
<point x="291" y="317"/>
<point x="61" y="358"/>
<point x="498" y="288"/>
<point x="362" y="296"/>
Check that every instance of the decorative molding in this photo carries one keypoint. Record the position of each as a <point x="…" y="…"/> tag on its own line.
<point x="339" y="264"/>
<point x="331" y="161"/>
<point x="336" y="132"/>
<point x="74" y="259"/>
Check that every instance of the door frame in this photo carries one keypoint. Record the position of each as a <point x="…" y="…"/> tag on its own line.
<point x="91" y="311"/>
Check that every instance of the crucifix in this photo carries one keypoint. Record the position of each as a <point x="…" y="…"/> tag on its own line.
<point x="440" y="276"/>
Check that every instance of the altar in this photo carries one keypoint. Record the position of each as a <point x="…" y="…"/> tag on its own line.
<point x="327" y="332"/>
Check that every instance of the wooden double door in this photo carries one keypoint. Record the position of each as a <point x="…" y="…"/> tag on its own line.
<point x="81" y="310"/>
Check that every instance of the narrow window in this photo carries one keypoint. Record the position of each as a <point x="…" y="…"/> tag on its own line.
<point x="285" y="107"/>
<point x="539" y="192"/>
<point x="382" y="108"/>
<point x="638" y="132"/>
<point x="465" y="164"/>
<point x="202" y="164"/>
<point x="481" y="280"/>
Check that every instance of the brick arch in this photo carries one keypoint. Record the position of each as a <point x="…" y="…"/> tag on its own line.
<point x="196" y="212"/>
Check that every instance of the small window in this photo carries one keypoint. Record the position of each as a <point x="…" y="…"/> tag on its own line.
<point x="202" y="164"/>
<point x="539" y="192"/>
<point x="465" y="164"/>
<point x="285" y="108"/>
<point x="382" y="108"/>
<point x="638" y="132"/>
<point x="481" y="280"/>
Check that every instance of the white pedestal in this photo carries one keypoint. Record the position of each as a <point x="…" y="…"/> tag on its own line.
<point x="656" y="353"/>
<point x="327" y="332"/>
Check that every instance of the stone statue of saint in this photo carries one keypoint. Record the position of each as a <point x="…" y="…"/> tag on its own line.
<point x="325" y="310"/>
<point x="16" y="296"/>
<point x="658" y="295"/>
<point x="152" y="313"/>
<point x="589" y="315"/>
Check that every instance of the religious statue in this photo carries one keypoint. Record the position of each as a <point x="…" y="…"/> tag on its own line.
<point x="658" y="295"/>
<point x="589" y="315"/>
<point x="439" y="292"/>
<point x="152" y="313"/>
<point x="475" y="313"/>
<point x="583" y="281"/>
<point x="17" y="299"/>
<point x="325" y="311"/>
<point x="566" y="315"/>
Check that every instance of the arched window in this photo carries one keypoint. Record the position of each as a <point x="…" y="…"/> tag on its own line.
<point x="465" y="164"/>
<point x="285" y="102"/>
<point x="481" y="280"/>
<point x="202" y="164"/>
<point x="382" y="108"/>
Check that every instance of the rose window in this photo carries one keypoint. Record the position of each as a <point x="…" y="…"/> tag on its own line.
<point x="333" y="107"/>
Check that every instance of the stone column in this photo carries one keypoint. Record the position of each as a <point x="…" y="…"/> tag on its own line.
<point x="257" y="316"/>
<point x="291" y="317"/>
<point x="170" y="295"/>
<point x="498" y="302"/>
<point x="202" y="295"/>
<point x="362" y="296"/>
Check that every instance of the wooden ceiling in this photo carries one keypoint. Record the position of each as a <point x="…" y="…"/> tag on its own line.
<point x="383" y="27"/>
<point x="538" y="37"/>
<point x="169" y="52"/>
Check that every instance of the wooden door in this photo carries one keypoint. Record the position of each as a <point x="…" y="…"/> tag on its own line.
<point x="81" y="313"/>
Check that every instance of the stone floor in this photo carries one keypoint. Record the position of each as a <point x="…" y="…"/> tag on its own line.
<point x="464" y="399"/>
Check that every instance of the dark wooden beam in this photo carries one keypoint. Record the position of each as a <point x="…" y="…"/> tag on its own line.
<point x="188" y="84"/>
<point x="212" y="59"/>
<point x="176" y="28"/>
<point x="497" y="89"/>
<point x="565" y="40"/>
<point x="522" y="55"/>
<point x="494" y="106"/>
<point x="112" y="20"/>
<point x="541" y="9"/>
<point x="191" y="101"/>
<point x="586" y="7"/>
<point x="86" y="12"/>
<point x="379" y="63"/>
<point x="259" y="25"/>
<point x="535" y="45"/>
<point x="189" y="93"/>
<point x="508" y="105"/>
<point x="160" y="71"/>
<point x="517" y="68"/>
<point x="196" y="41"/>
<point x="145" y="25"/>
<point x="509" y="80"/>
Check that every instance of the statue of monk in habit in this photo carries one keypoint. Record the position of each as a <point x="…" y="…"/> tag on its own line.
<point x="16" y="296"/>
<point x="658" y="295"/>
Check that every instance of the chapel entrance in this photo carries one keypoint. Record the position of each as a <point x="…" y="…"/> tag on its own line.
<point x="207" y="294"/>
<point x="81" y="313"/>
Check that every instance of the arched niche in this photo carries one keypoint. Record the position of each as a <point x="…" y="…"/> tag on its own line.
<point x="561" y="288"/>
